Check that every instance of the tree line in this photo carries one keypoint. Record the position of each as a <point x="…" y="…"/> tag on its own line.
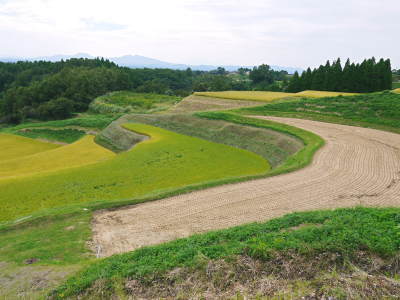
<point x="368" y="76"/>
<point x="54" y="90"/>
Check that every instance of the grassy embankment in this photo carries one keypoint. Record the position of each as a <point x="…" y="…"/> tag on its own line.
<point x="376" y="110"/>
<point x="324" y="250"/>
<point x="273" y="145"/>
<point x="64" y="131"/>
<point x="131" y="102"/>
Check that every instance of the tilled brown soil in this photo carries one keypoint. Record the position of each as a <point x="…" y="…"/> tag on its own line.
<point x="357" y="166"/>
<point x="194" y="103"/>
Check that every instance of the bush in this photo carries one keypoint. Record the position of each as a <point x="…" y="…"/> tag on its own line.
<point x="59" y="108"/>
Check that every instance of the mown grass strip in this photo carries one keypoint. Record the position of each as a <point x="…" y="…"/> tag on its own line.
<point x="342" y="231"/>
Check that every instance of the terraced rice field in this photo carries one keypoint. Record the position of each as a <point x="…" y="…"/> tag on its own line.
<point x="268" y="96"/>
<point x="246" y="95"/>
<point x="13" y="146"/>
<point x="165" y="161"/>
<point x="81" y="153"/>
<point x="357" y="166"/>
<point x="322" y="94"/>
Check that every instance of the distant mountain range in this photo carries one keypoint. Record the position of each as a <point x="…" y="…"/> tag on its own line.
<point x="138" y="61"/>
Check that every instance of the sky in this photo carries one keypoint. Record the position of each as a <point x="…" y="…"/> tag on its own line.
<point x="296" y="33"/>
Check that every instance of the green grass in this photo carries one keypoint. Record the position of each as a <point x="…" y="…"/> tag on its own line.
<point x="61" y="135"/>
<point x="55" y="240"/>
<point x="131" y="102"/>
<point x="94" y="121"/>
<point x="65" y="131"/>
<point x="395" y="85"/>
<point x="376" y="110"/>
<point x="343" y="232"/>
<point x="167" y="162"/>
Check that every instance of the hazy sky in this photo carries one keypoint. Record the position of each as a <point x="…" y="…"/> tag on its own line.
<point x="279" y="32"/>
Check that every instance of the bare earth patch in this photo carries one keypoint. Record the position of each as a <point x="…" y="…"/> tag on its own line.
<point x="200" y="103"/>
<point x="357" y="166"/>
<point x="30" y="281"/>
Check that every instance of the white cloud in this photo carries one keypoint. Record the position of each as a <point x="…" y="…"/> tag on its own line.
<point x="285" y="32"/>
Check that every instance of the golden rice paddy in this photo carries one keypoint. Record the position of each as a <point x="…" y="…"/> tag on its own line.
<point x="269" y="96"/>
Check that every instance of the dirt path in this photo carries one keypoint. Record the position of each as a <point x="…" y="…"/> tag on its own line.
<point x="356" y="166"/>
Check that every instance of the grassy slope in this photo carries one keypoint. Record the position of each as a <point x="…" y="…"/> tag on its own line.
<point x="268" y="96"/>
<point x="66" y="135"/>
<point x="270" y="144"/>
<point x="131" y="102"/>
<point x="301" y="159"/>
<point x="377" y="110"/>
<point x="169" y="161"/>
<point x="66" y="131"/>
<point x="87" y="121"/>
<point x="16" y="147"/>
<point x="343" y="232"/>
<point x="56" y="245"/>
<point x="57" y="240"/>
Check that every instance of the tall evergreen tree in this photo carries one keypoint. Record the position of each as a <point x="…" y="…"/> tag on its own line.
<point x="294" y="84"/>
<point x="369" y="76"/>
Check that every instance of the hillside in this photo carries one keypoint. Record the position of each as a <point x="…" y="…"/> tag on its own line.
<point x="138" y="61"/>
<point x="54" y="225"/>
<point x="313" y="254"/>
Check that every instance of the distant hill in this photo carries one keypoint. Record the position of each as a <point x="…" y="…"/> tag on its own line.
<point x="138" y="61"/>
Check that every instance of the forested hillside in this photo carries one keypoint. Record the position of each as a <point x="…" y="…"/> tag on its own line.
<point x="369" y="76"/>
<point x="46" y="90"/>
<point x="55" y="90"/>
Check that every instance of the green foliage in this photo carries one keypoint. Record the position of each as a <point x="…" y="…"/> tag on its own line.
<point x="209" y="82"/>
<point x="84" y="121"/>
<point x="131" y="102"/>
<point x="79" y="85"/>
<point x="61" y="135"/>
<point x="377" y="110"/>
<point x="60" y="108"/>
<point x="369" y="76"/>
<point x="342" y="231"/>
<point x="150" y="168"/>
<point x="263" y="74"/>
